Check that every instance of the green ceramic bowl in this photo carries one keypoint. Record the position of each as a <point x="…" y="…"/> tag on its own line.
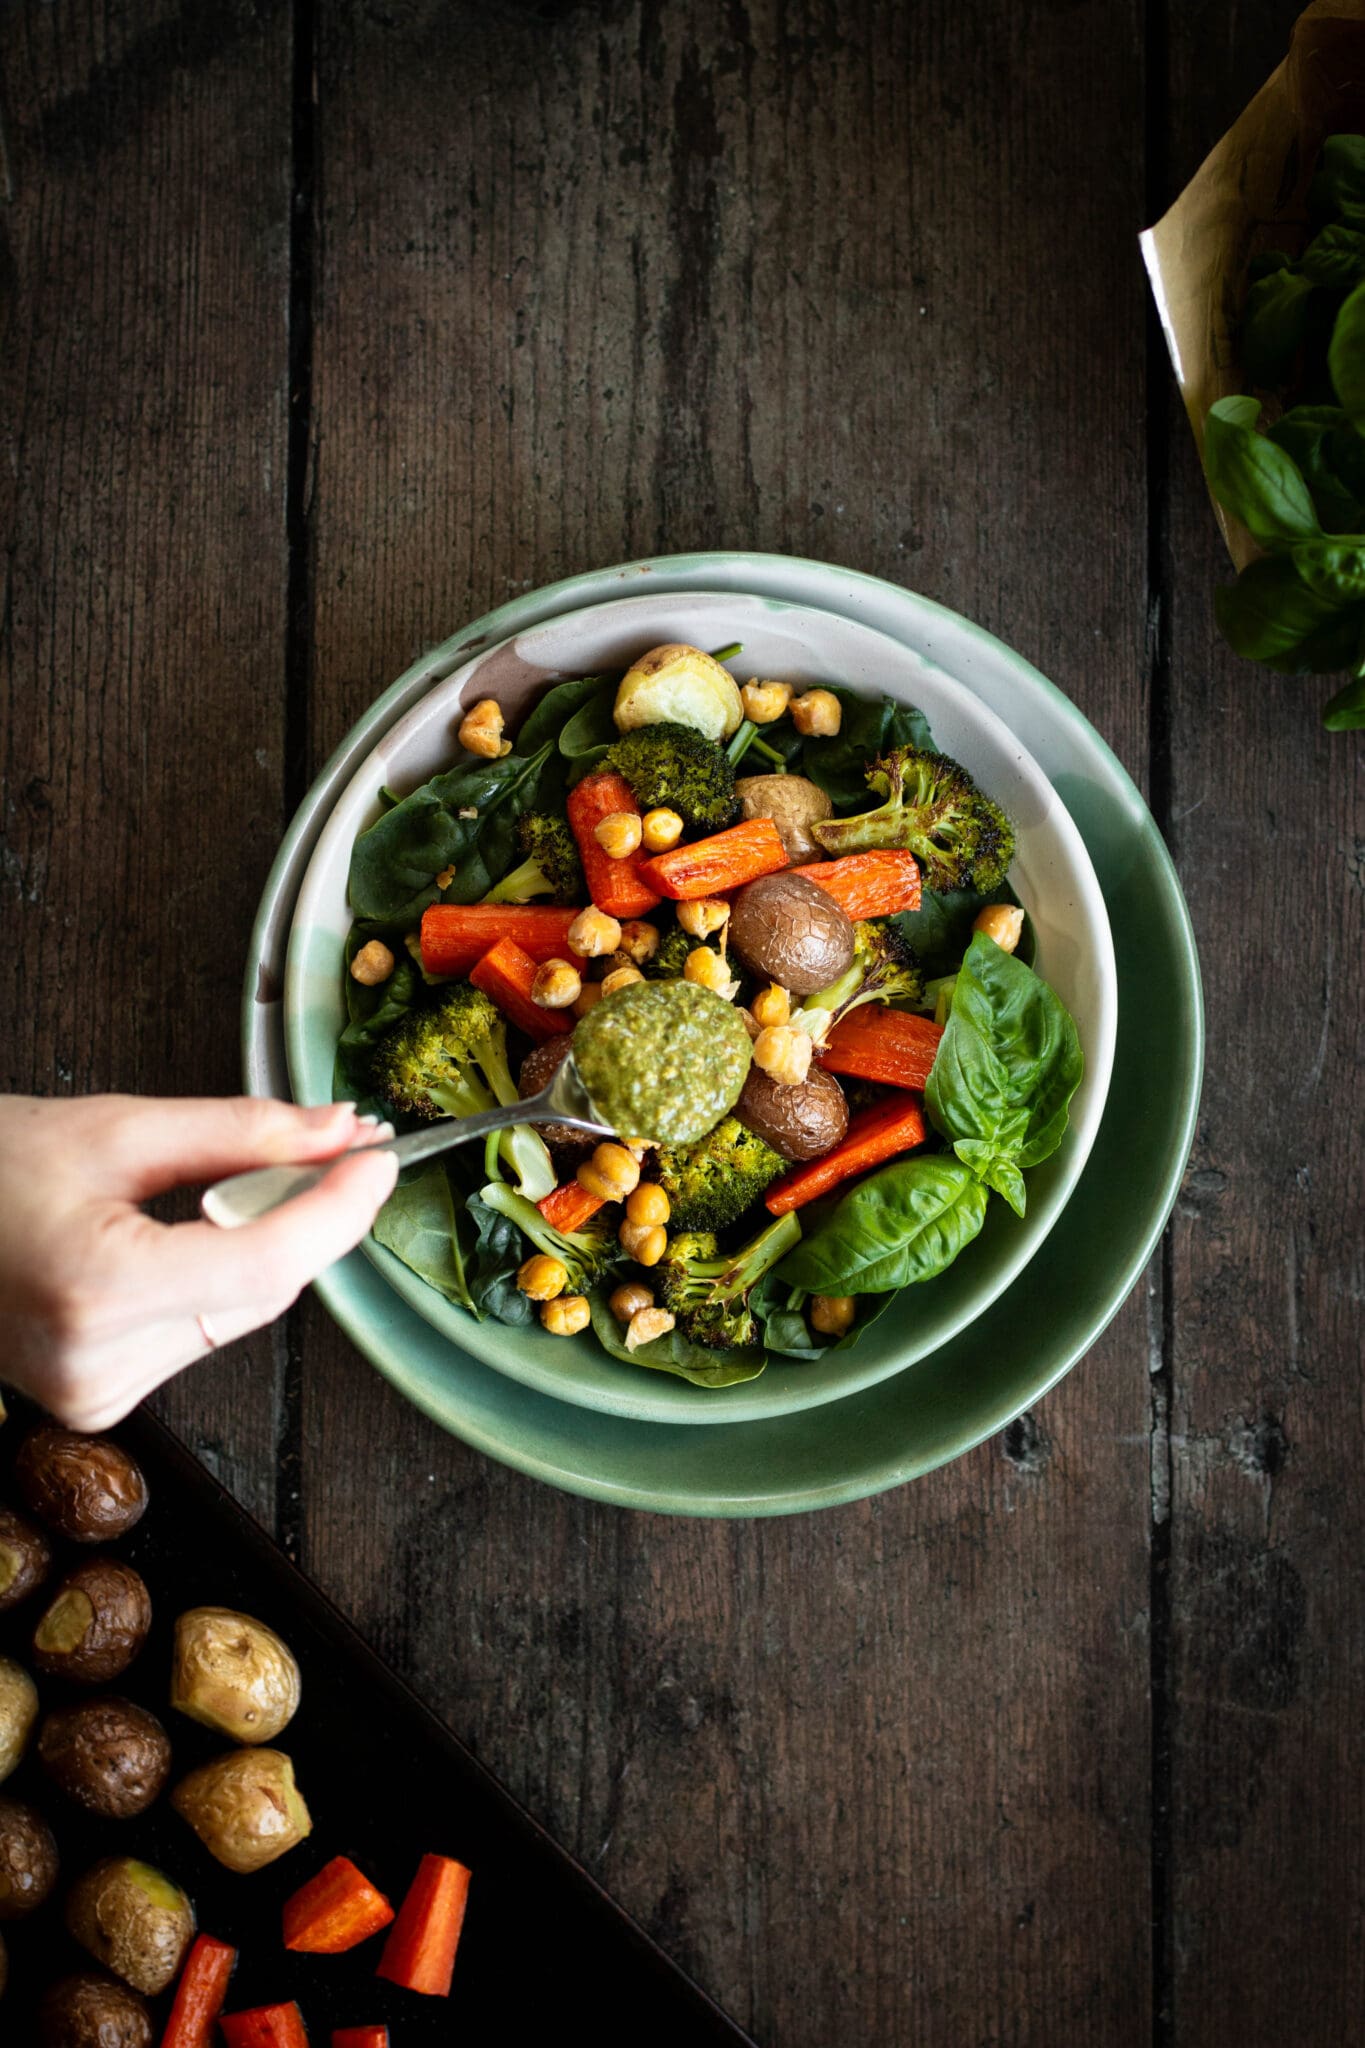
<point x="1052" y="873"/>
<point x="1029" y="1337"/>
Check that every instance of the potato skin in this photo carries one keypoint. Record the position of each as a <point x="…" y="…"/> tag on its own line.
<point x="108" y="1603"/>
<point x="233" y="1674"/>
<point x="244" y="1807"/>
<point x="83" y="1487"/>
<point x="28" y="1859"/>
<point x="109" y="1756"/>
<point x="25" y="1559"/>
<point x="801" y="1122"/>
<point x="793" y="803"/>
<point x="133" y="1919"/>
<point x="86" y="2011"/>
<point x="18" y="1712"/>
<point x="786" y="930"/>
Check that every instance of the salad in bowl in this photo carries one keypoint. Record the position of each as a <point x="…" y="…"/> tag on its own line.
<point x="773" y="928"/>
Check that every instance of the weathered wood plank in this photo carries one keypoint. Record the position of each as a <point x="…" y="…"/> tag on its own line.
<point x="1268" y="1647"/>
<point x="143" y="267"/>
<point x="844" y="281"/>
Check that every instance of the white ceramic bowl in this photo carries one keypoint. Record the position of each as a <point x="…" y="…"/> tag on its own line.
<point x="1052" y="876"/>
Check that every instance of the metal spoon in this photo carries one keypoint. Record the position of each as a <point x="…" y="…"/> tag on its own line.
<point x="245" y="1196"/>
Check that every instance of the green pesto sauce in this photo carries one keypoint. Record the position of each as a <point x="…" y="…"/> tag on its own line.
<point x="662" y="1060"/>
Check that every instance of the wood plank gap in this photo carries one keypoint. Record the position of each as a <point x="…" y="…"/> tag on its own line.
<point x="298" y="635"/>
<point x="1161" y="1361"/>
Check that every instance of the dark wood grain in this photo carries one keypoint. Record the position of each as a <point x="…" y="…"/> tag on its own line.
<point x="1267" y="1525"/>
<point x="824" y="280"/>
<point x="143" y="265"/>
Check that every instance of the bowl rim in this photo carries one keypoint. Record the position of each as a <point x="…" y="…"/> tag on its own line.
<point x="777" y="1471"/>
<point x="786" y="1387"/>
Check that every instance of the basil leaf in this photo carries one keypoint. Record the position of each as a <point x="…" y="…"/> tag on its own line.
<point x="1274" y="326"/>
<point x="1269" y="612"/>
<point x="1253" y="478"/>
<point x="869" y="726"/>
<point x="1339" y="187"/>
<point x="1331" y="459"/>
<point x="1006" y="1069"/>
<point x="545" y="723"/>
<point x="420" y="1225"/>
<point x="672" y="1352"/>
<point x="900" y="1226"/>
<point x="1331" y="571"/>
<point x="1346" y="711"/>
<point x="1346" y="357"/>
<point x="1335" y="257"/>
<point x="395" y="863"/>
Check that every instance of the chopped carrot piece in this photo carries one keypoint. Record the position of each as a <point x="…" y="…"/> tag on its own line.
<point x="360" y="2037"/>
<point x="617" y="886"/>
<point x="878" y="1044"/>
<point x="334" y="1911"/>
<point x="265" y="2026"/>
<point x="200" y="1994"/>
<point x="724" y="861"/>
<point x="568" y="1208"/>
<point x="420" y="1950"/>
<point x="868" y="884"/>
<point x="874" y="1134"/>
<point x="507" y="975"/>
<point x="455" y="935"/>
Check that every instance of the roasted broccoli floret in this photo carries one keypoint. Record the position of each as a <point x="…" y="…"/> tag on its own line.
<point x="586" y="1253"/>
<point x="551" y="867"/>
<point x="449" y="1059"/>
<point x="884" y="970"/>
<point x="712" y="1182"/>
<point x="679" y="768"/>
<point x="960" y="836"/>
<point x="708" y="1290"/>
<point x="668" y="963"/>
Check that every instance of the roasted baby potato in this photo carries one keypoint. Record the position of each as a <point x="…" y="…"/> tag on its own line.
<point x="86" y="2011"/>
<point x="28" y="1859"/>
<point x="800" y="1122"/>
<point x="18" y="1712"/>
<point x="234" y="1674"/>
<point x="95" y="1623"/>
<point x="244" y="1807"/>
<point x="133" y="1919"/>
<point x="784" y="929"/>
<point x="84" y="1487"/>
<point x="681" y="686"/>
<point x="25" y="1558"/>
<point x="111" y="1757"/>
<point x="794" y="804"/>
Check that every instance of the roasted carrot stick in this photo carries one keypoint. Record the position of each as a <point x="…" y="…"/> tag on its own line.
<point x="568" y="1208"/>
<point x="868" y="884"/>
<point x="873" y="1135"/>
<point x="334" y="1911"/>
<point x="506" y="974"/>
<point x="360" y="2037"/>
<point x="420" y="1950"/>
<point x="455" y="935"/>
<point x="616" y="886"/>
<point x="878" y="1044"/>
<point x="265" y="2026"/>
<point x="200" y="1994"/>
<point x="724" y="861"/>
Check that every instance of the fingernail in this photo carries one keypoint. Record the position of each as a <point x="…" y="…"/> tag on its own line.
<point x="327" y="1112"/>
<point x="384" y="1131"/>
<point x="369" y="1118"/>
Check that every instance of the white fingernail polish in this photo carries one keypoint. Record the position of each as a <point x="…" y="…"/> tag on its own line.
<point x="369" y="1119"/>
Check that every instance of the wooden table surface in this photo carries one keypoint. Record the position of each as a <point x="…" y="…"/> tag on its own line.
<point x="328" y="326"/>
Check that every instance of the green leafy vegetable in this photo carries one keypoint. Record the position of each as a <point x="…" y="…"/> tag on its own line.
<point x="1346" y="357"/>
<point x="787" y="1330"/>
<point x="902" y="1225"/>
<point x="465" y="819"/>
<point x="870" y="726"/>
<point x="1275" y="325"/>
<point x="1254" y="478"/>
<point x="370" y="1012"/>
<point x="673" y="1353"/>
<point x="420" y="1224"/>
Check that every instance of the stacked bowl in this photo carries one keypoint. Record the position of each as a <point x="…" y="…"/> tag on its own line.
<point x="951" y="1361"/>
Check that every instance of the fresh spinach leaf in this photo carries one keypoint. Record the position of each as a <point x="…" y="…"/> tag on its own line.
<point x="546" y="722"/>
<point x="903" y="1224"/>
<point x="1346" y="357"/>
<point x="870" y="725"/>
<point x="395" y="863"/>
<point x="592" y="728"/>
<point x="941" y="929"/>
<point x="673" y="1353"/>
<point x="1006" y="1069"/>
<point x="786" y="1331"/>
<point x="1274" y="326"/>
<point x="370" y="1011"/>
<point x="420" y="1224"/>
<point x="1254" y="478"/>
<point x="491" y="1268"/>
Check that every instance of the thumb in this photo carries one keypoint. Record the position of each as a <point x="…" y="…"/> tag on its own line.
<point x="164" y="1142"/>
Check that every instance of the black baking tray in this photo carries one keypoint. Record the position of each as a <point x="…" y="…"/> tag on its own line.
<point x="544" y="1948"/>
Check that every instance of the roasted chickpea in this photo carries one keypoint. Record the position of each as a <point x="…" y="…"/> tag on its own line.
<point x="543" y="1277"/>
<point x="619" y="834"/>
<point x="628" y="1299"/>
<point x="660" y="829"/>
<point x="703" y="915"/>
<point x="372" y="964"/>
<point x="831" y="1315"/>
<point x="772" y="1005"/>
<point x="1003" y="922"/>
<point x="646" y="1243"/>
<point x="443" y="881"/>
<point x="590" y="993"/>
<point x="566" y="1315"/>
<point x="611" y="1174"/>
<point x="648" y="1204"/>
<point x="620" y="977"/>
<point x="705" y="967"/>
<point x="784" y="1054"/>
<point x="817" y="713"/>
<point x="763" y="702"/>
<point x="638" y="941"/>
<point x="481" y="730"/>
<point x="593" y="933"/>
<point x="557" y="985"/>
<point x="646" y="1324"/>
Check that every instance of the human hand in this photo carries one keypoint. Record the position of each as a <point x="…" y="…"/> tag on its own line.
<point x="99" y="1302"/>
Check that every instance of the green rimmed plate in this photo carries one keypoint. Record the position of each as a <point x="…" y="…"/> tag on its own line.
<point x="1004" y="1360"/>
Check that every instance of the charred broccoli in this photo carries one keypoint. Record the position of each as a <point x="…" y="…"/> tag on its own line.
<point x="884" y="970"/>
<point x="551" y="867"/>
<point x="585" y="1253"/>
<point x="708" y="1290"/>
<point x="712" y="1182"/>
<point x="668" y="963"/>
<point x="960" y="836"/>
<point x="676" y="767"/>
